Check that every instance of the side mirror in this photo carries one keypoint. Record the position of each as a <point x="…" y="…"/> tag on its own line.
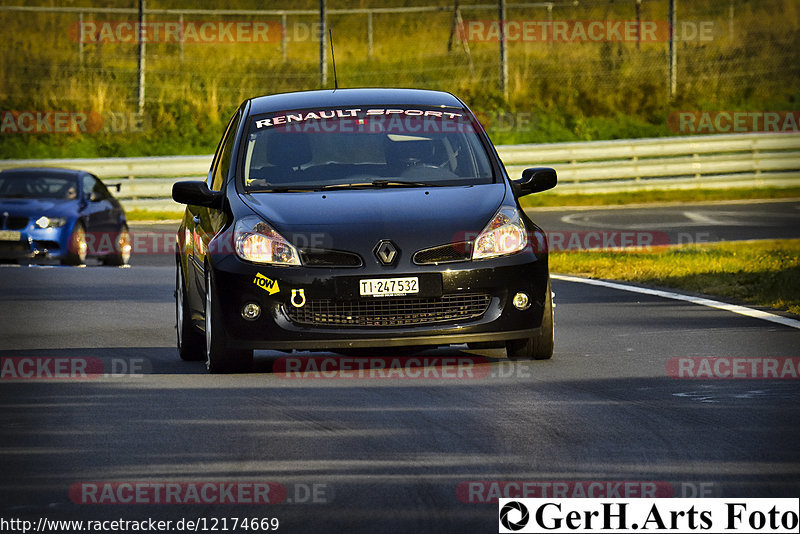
<point x="196" y="193"/>
<point x="535" y="180"/>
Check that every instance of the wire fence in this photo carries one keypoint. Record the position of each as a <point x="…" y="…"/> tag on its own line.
<point x="176" y="66"/>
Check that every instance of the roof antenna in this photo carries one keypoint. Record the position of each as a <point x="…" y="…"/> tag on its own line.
<point x="333" y="60"/>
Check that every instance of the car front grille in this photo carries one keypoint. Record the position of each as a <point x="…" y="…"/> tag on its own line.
<point x="50" y="246"/>
<point x="13" y="223"/>
<point x="390" y="311"/>
<point x="14" y="249"/>
<point x="444" y="254"/>
<point x="330" y="258"/>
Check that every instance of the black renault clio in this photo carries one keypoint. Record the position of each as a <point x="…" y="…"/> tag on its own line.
<point x="344" y="219"/>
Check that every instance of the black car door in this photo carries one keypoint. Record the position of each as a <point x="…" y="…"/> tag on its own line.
<point x="206" y="222"/>
<point x="98" y="212"/>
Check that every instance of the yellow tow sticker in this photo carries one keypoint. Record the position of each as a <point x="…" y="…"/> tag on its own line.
<point x="267" y="284"/>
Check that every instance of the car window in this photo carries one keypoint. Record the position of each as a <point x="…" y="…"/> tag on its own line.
<point x="100" y="190"/>
<point x="222" y="159"/>
<point x="88" y="186"/>
<point x="37" y="185"/>
<point x="308" y="149"/>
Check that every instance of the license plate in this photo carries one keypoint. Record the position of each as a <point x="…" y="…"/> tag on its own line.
<point x="10" y="235"/>
<point x="388" y="287"/>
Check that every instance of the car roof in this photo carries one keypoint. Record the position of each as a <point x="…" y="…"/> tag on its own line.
<point x="352" y="97"/>
<point x="44" y="171"/>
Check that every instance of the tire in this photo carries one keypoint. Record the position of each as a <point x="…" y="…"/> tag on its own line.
<point x="77" y="247"/>
<point x="191" y="343"/>
<point x="122" y="253"/>
<point x="538" y="347"/>
<point x="219" y="359"/>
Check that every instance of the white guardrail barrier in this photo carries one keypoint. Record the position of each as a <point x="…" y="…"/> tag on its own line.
<point x="712" y="161"/>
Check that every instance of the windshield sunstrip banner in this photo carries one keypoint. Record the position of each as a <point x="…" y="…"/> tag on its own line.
<point x="367" y="120"/>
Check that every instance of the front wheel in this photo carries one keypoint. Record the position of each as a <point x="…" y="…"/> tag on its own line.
<point x="77" y="248"/>
<point x="121" y="254"/>
<point x="191" y="344"/>
<point x="219" y="359"/>
<point x="539" y="347"/>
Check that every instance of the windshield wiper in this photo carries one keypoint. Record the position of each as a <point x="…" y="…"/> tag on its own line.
<point x="378" y="183"/>
<point x="283" y="189"/>
<point x="359" y="185"/>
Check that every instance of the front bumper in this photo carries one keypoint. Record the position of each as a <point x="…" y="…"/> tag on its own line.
<point x="278" y="327"/>
<point x="32" y="242"/>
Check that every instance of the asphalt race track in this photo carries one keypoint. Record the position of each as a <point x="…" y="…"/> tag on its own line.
<point x="682" y="223"/>
<point x="609" y="413"/>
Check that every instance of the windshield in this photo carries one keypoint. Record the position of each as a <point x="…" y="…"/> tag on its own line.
<point x="364" y="147"/>
<point x="28" y="185"/>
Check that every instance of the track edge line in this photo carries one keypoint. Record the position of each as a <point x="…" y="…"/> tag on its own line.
<point x="701" y="301"/>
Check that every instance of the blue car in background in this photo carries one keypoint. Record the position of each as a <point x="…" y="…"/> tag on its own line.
<point x="60" y="214"/>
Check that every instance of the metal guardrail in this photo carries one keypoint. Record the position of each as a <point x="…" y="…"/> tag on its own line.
<point x="718" y="161"/>
<point x="648" y="160"/>
<point x="159" y="166"/>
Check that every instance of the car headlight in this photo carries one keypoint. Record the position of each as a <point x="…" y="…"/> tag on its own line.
<point x="505" y="234"/>
<point x="258" y="242"/>
<point x="50" y="222"/>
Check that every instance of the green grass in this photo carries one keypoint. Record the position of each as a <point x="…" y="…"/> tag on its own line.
<point x="763" y="273"/>
<point x="550" y="199"/>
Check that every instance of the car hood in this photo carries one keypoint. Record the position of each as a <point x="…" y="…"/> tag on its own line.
<point x="33" y="207"/>
<point x="413" y="218"/>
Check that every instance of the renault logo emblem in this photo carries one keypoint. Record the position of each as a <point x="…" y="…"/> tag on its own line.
<point x="386" y="252"/>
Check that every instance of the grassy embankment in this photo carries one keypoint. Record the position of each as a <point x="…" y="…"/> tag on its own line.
<point x="763" y="273"/>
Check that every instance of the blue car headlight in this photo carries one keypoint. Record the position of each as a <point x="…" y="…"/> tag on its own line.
<point x="51" y="222"/>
